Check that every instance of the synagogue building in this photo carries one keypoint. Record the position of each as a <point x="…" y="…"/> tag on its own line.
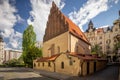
<point x="66" y="49"/>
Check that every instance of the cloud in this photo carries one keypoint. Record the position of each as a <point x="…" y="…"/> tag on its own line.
<point x="39" y="15"/>
<point x="89" y="10"/>
<point x="8" y="19"/>
<point x="13" y="37"/>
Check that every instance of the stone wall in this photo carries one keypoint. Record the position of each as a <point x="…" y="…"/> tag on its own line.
<point x="83" y="47"/>
<point x="71" y="65"/>
<point x="56" y="24"/>
<point x="48" y="66"/>
<point x="60" y="41"/>
<point x="84" y="69"/>
<point x="100" y="65"/>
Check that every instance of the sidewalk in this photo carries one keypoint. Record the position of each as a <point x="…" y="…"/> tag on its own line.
<point x="53" y="75"/>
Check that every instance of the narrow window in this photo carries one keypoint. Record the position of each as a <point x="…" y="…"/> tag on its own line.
<point x="100" y="37"/>
<point x="43" y="64"/>
<point x="49" y="65"/>
<point x="62" y="65"/>
<point x="100" y="43"/>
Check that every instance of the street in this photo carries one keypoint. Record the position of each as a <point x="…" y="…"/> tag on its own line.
<point x="109" y="73"/>
<point x="20" y="74"/>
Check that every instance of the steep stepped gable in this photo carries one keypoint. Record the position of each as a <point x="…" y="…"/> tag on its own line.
<point x="58" y="23"/>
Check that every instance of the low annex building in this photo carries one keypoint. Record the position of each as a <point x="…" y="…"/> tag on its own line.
<point x="65" y="48"/>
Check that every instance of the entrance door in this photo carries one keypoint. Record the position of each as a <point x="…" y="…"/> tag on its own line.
<point x="94" y="66"/>
<point x="87" y="67"/>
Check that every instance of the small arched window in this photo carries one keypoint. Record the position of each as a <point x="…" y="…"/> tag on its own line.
<point x="49" y="65"/>
<point x="43" y="64"/>
<point x="62" y="65"/>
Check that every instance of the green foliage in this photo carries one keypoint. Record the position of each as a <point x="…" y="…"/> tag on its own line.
<point x="97" y="50"/>
<point x="116" y="46"/>
<point x="29" y="38"/>
<point x="14" y="63"/>
<point x="30" y="52"/>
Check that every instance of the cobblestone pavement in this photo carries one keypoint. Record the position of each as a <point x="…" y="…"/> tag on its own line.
<point x="20" y="74"/>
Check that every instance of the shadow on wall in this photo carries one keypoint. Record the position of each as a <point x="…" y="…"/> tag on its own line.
<point x="81" y="48"/>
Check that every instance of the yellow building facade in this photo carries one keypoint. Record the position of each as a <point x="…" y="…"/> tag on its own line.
<point x="104" y="37"/>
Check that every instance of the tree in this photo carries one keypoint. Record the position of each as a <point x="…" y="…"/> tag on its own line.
<point x="96" y="50"/>
<point x="116" y="46"/>
<point x="29" y="38"/>
<point x="30" y="52"/>
<point x="14" y="63"/>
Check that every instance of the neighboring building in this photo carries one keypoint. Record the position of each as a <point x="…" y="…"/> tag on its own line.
<point x="104" y="37"/>
<point x="39" y="44"/>
<point x="65" y="48"/>
<point x="1" y="50"/>
<point x="6" y="55"/>
<point x="12" y="54"/>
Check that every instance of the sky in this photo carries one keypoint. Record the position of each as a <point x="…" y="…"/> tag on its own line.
<point x="16" y="15"/>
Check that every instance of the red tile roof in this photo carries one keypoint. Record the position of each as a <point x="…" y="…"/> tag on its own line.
<point x="80" y="56"/>
<point x="44" y="59"/>
<point x="86" y="56"/>
<point x="75" y="30"/>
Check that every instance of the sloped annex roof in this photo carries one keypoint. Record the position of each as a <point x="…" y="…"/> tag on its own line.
<point x="73" y="28"/>
<point x="87" y="56"/>
<point x="45" y="59"/>
<point x="80" y="56"/>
